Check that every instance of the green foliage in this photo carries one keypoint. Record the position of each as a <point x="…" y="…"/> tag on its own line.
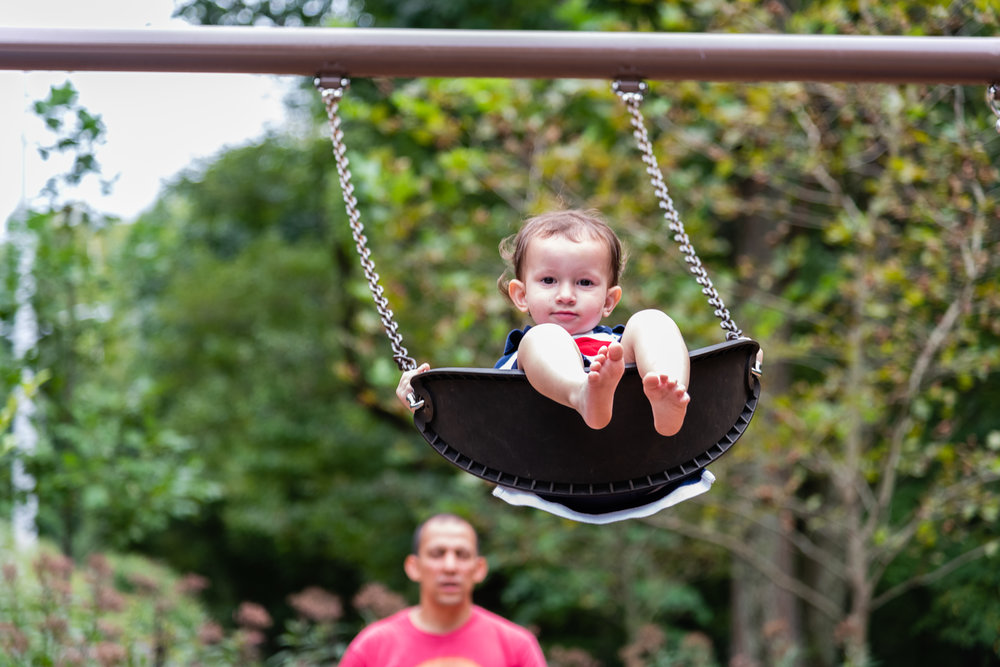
<point x="96" y="413"/>
<point x="129" y="610"/>
<point x="106" y="474"/>
<point x="114" y="610"/>
<point x="876" y="274"/>
<point x="262" y="350"/>
<point x="964" y="607"/>
<point x="78" y="133"/>
<point x="653" y="647"/>
<point x="517" y="15"/>
<point x="26" y="390"/>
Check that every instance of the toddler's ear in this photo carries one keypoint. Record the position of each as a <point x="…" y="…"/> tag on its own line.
<point x="612" y="299"/>
<point x="516" y="292"/>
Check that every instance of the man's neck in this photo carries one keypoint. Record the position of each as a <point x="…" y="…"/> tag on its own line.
<point x="440" y="620"/>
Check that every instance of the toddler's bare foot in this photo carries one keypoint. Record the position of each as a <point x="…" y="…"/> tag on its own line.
<point x="598" y="394"/>
<point x="669" y="400"/>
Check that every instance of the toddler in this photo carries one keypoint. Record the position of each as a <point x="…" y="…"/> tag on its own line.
<point x="566" y="269"/>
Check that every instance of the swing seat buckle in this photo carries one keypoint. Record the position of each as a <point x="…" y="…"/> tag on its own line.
<point x="757" y="365"/>
<point x="415" y="403"/>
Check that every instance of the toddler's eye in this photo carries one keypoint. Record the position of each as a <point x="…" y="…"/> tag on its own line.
<point x="548" y="280"/>
<point x="586" y="282"/>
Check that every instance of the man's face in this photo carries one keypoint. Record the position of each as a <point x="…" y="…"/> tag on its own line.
<point x="448" y="565"/>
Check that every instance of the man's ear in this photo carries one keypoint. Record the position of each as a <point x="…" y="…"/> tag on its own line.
<point x="517" y="293"/>
<point x="482" y="569"/>
<point x="412" y="568"/>
<point x="612" y="299"/>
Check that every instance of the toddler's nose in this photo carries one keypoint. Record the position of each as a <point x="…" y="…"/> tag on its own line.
<point x="566" y="294"/>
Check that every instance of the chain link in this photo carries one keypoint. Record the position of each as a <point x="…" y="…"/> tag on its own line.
<point x="332" y="91"/>
<point x="631" y="93"/>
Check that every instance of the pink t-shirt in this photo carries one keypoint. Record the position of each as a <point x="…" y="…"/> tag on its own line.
<point x="486" y="640"/>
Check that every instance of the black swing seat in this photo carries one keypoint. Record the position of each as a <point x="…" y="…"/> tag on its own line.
<point x="494" y="425"/>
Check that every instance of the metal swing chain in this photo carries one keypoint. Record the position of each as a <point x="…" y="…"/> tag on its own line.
<point x="993" y="99"/>
<point x="631" y="93"/>
<point x="332" y="90"/>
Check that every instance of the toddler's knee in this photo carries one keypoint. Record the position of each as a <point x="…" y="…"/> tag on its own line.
<point x="650" y="317"/>
<point x="545" y="333"/>
<point x="544" y="330"/>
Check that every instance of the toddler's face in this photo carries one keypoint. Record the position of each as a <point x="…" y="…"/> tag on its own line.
<point x="566" y="282"/>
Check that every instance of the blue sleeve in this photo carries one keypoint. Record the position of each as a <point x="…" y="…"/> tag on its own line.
<point x="510" y="346"/>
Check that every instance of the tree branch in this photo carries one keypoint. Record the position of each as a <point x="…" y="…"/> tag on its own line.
<point x="946" y="495"/>
<point x="798" y="539"/>
<point x="934" y="575"/>
<point x="934" y="343"/>
<point x="822" y="603"/>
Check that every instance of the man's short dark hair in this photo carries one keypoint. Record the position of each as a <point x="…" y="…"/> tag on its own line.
<point x="444" y="516"/>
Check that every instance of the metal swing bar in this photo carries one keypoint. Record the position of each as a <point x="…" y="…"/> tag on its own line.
<point x="390" y="52"/>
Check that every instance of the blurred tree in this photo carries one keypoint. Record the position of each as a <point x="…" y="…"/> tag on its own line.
<point x="516" y="15"/>
<point x="105" y="475"/>
<point x="885" y="270"/>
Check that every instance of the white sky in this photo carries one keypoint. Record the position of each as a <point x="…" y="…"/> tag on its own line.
<point x="156" y="123"/>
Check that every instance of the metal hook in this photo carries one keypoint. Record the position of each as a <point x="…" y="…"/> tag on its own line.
<point x="415" y="401"/>
<point x="993" y="99"/>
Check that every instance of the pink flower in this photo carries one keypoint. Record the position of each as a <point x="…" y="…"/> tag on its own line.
<point x="252" y="615"/>
<point x="12" y="639"/>
<point x="109" y="629"/>
<point x="55" y="625"/>
<point x="53" y="565"/>
<point x="378" y="600"/>
<point x="317" y="604"/>
<point x="109" y="654"/>
<point x="210" y="633"/>
<point x="144" y="583"/>
<point x="109" y="600"/>
<point x="99" y="565"/>
<point x="192" y="584"/>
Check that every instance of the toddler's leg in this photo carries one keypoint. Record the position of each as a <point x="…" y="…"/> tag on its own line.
<point x="551" y="360"/>
<point x="653" y="341"/>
